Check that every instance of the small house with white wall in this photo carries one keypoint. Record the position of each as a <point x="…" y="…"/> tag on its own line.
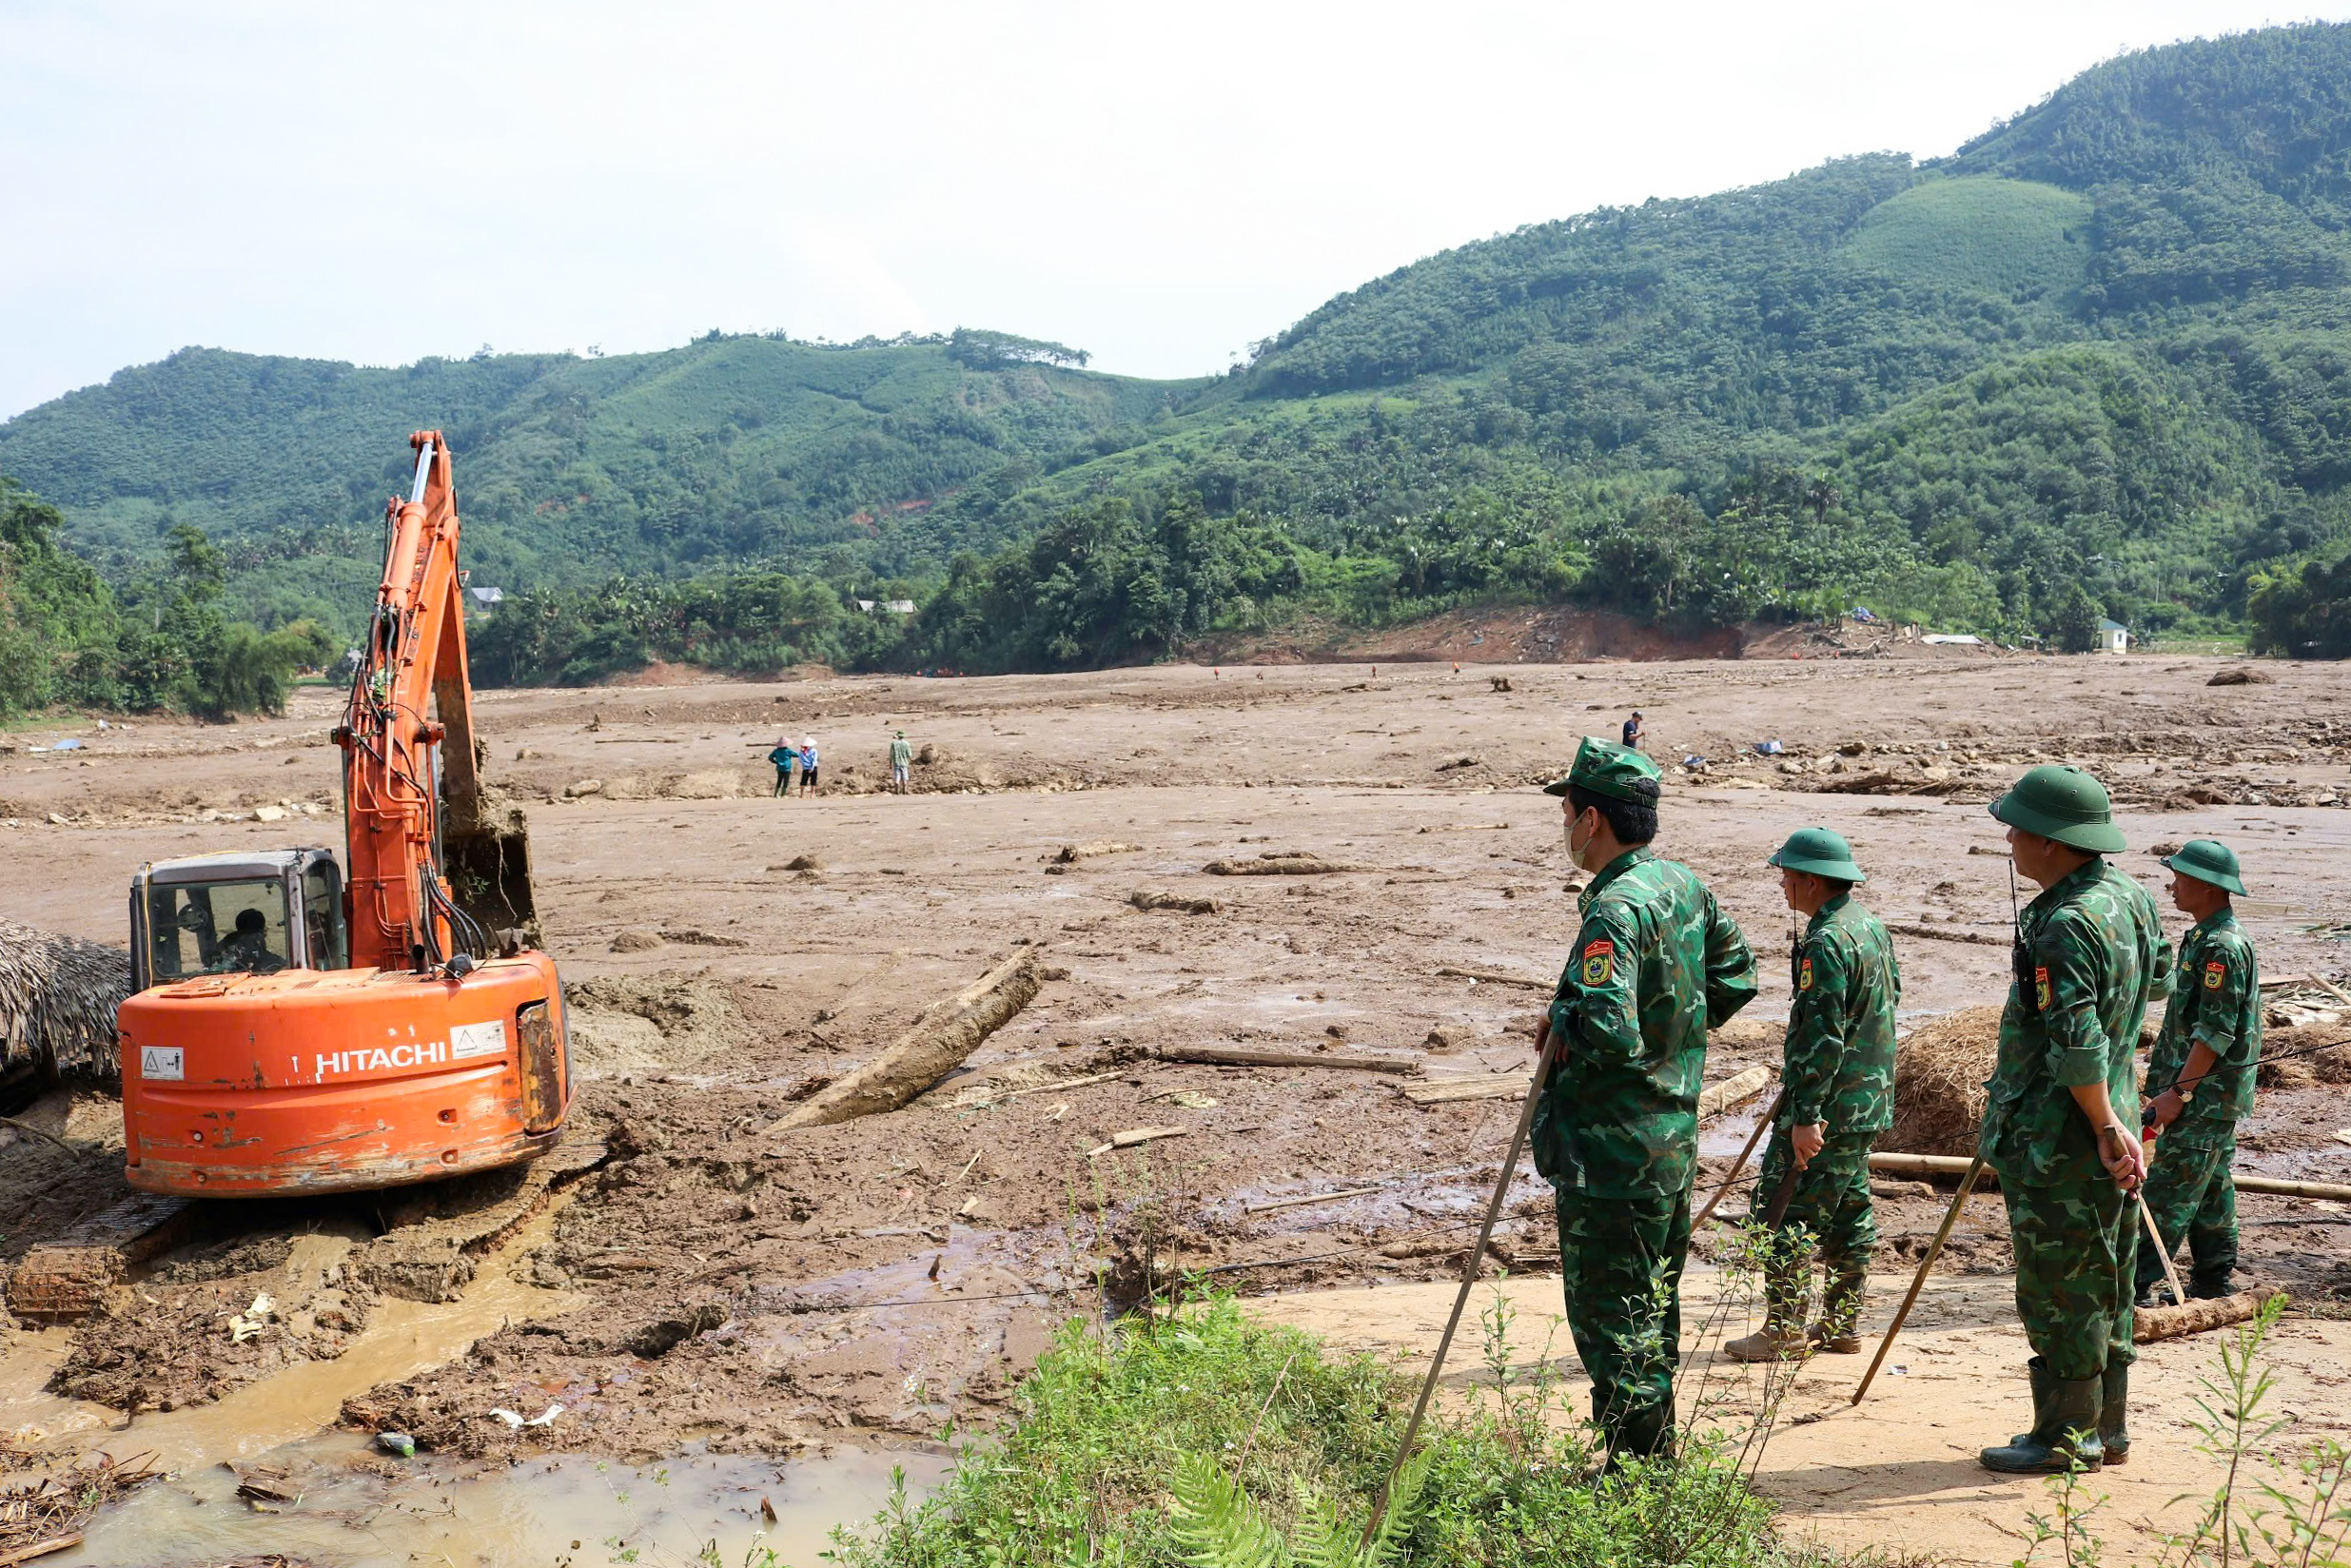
<point x="2113" y="637"/>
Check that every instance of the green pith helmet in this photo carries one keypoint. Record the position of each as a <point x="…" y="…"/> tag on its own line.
<point x="1820" y="853"/>
<point x="2064" y="803"/>
<point x="1605" y="768"/>
<point x="2207" y="860"/>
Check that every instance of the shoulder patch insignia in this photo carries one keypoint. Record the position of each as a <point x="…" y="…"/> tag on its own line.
<point x="1600" y="962"/>
<point x="1804" y="977"/>
<point x="2216" y="975"/>
<point x="2041" y="984"/>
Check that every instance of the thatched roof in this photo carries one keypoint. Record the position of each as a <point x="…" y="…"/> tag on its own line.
<point x="57" y="1000"/>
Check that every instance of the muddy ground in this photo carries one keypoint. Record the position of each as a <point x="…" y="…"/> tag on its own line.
<point x="766" y="1291"/>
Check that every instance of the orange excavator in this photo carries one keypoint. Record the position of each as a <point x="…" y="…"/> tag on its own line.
<point x="295" y="1031"/>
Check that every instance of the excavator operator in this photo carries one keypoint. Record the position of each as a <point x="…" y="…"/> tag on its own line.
<point x="246" y="949"/>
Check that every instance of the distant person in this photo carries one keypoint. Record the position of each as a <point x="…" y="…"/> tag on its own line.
<point x="787" y="760"/>
<point x="901" y="763"/>
<point x="808" y="764"/>
<point x="1633" y="734"/>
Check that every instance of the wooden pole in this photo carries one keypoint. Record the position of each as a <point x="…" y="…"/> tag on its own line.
<point x="2155" y="1234"/>
<point x="1950" y="1217"/>
<point x="1469" y="1277"/>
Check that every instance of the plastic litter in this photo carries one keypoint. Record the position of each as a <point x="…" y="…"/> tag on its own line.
<point x="544" y="1418"/>
<point x="396" y="1442"/>
<point x="1768" y="747"/>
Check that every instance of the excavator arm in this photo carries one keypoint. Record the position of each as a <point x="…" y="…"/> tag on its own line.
<point x="432" y="872"/>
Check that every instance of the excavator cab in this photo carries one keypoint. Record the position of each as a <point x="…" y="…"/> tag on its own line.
<point x="237" y="914"/>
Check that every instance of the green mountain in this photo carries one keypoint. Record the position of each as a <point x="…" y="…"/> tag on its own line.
<point x="2096" y="362"/>
<point x="727" y="450"/>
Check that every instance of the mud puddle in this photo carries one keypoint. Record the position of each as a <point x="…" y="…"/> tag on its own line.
<point x="350" y="1509"/>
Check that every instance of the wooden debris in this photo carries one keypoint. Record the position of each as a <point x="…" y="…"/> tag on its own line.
<point x="40" y="1549"/>
<point x="1143" y="898"/>
<point x="1445" y="1092"/>
<point x="1305" y="1198"/>
<point x="57" y="1000"/>
<point x="1986" y="849"/>
<point x="1951" y="1165"/>
<point x="2149" y="1323"/>
<point x="1071" y="853"/>
<point x="1134" y="1136"/>
<point x="1946" y="934"/>
<point x="938" y="1043"/>
<point x="1498" y="977"/>
<point x="1287" y="863"/>
<point x="1242" y="1056"/>
<point x="1717" y="1098"/>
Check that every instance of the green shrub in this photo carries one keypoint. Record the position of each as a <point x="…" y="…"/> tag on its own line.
<point x="1212" y="1438"/>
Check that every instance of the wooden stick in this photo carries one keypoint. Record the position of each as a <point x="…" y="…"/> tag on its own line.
<point x="1763" y="1124"/>
<point x="1309" y="1198"/>
<point x="2155" y="1234"/>
<point x="1133" y="1136"/>
<point x="1241" y="1056"/>
<point x="41" y="1548"/>
<point x="1950" y="1217"/>
<point x="1469" y="1276"/>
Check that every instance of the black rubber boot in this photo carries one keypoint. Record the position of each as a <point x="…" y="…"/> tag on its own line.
<point x="2061" y="1408"/>
<point x="2206" y="1286"/>
<point x="2114" y="1414"/>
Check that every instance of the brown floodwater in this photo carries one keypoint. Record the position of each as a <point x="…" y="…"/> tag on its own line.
<point x="559" y="1511"/>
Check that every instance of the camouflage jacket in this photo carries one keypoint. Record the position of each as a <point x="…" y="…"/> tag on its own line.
<point x="2096" y="953"/>
<point x="2216" y="997"/>
<point x="1655" y="965"/>
<point x="1839" y="1056"/>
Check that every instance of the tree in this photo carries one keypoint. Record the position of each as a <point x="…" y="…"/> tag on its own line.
<point x="2069" y="620"/>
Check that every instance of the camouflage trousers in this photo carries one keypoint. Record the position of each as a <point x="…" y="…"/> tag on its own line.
<point x="1620" y="1262"/>
<point x="1830" y="1207"/>
<point x="2076" y="1256"/>
<point x="2190" y="1191"/>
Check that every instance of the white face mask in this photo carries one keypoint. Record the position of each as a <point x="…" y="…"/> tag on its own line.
<point x="1576" y="850"/>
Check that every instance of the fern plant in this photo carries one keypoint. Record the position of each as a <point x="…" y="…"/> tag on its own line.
<point x="1216" y="1526"/>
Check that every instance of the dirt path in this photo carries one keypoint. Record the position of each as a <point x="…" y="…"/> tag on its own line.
<point x="892" y="1276"/>
<point x="1897" y="1474"/>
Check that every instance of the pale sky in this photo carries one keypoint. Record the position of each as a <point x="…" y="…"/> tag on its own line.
<point x="1159" y="185"/>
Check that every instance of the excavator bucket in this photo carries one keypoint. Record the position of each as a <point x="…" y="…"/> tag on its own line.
<point x="489" y="863"/>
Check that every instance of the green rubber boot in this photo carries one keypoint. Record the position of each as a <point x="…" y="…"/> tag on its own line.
<point x="2114" y="1413"/>
<point x="2062" y="1407"/>
<point x="1640" y="1434"/>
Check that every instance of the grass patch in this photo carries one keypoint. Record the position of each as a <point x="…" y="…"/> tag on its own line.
<point x="1213" y="1438"/>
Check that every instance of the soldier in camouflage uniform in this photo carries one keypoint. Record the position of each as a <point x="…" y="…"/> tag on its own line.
<point x="1839" y="1072"/>
<point x="2212" y="1036"/>
<point x="1655" y="966"/>
<point x="2061" y="1117"/>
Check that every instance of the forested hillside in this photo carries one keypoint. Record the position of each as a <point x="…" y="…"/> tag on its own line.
<point x="2096" y="362"/>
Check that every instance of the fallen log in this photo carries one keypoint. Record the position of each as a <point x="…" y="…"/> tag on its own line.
<point x="1497" y="977"/>
<point x="1717" y="1098"/>
<point x="1281" y="865"/>
<point x="1940" y="934"/>
<point x="1951" y="1164"/>
<point x="2149" y="1323"/>
<point x="1712" y="1100"/>
<point x="937" y="1044"/>
<point x="1143" y="898"/>
<point x="1241" y="1056"/>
